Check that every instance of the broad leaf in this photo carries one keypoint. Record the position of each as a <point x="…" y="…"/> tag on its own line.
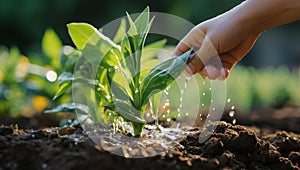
<point x="97" y="47"/>
<point x="80" y="33"/>
<point x="163" y="75"/>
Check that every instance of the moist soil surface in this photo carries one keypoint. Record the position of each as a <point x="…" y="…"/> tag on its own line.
<point x="260" y="144"/>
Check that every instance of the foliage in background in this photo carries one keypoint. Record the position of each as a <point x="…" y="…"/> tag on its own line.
<point x="27" y="84"/>
<point x="269" y="87"/>
<point x="23" y="22"/>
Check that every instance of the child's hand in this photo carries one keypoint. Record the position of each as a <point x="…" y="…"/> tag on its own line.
<point x="222" y="37"/>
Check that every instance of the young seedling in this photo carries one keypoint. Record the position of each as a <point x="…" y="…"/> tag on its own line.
<point x="121" y="86"/>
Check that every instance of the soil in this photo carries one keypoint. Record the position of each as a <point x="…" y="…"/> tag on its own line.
<point x="261" y="144"/>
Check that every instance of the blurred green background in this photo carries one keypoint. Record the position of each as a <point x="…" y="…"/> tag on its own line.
<point x="270" y="76"/>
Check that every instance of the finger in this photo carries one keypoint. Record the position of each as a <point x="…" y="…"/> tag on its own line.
<point x="228" y="60"/>
<point x="207" y="52"/>
<point x="224" y="73"/>
<point x="194" y="65"/>
<point x="211" y="72"/>
<point x="192" y="40"/>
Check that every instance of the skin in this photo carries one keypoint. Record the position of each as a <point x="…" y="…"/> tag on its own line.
<point x="219" y="43"/>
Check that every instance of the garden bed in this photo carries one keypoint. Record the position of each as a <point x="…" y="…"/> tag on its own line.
<point x="230" y="147"/>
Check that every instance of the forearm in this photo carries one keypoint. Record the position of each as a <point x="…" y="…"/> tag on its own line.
<point x="257" y="16"/>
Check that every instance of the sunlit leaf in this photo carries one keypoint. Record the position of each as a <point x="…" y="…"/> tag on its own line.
<point x="80" y="33"/>
<point x="52" y="46"/>
<point x="163" y="75"/>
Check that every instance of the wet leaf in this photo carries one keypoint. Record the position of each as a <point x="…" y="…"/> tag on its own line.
<point x="163" y="75"/>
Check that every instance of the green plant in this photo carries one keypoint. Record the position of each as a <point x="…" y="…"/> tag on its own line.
<point x="126" y="75"/>
<point x="27" y="83"/>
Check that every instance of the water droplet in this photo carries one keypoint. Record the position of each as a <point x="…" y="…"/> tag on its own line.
<point x="186" y="113"/>
<point x="228" y="100"/>
<point x="232" y="108"/>
<point x="202" y="104"/>
<point x="169" y="120"/>
<point x="148" y="114"/>
<point x="209" y="89"/>
<point x="213" y="108"/>
<point x="51" y="76"/>
<point x="231" y="113"/>
<point x="203" y="82"/>
<point x="211" y="100"/>
<point x="164" y="116"/>
<point x="136" y="91"/>
<point x="179" y="115"/>
<point x="76" y="141"/>
<point x="44" y="165"/>
<point x="203" y="94"/>
<point x="234" y="121"/>
<point x="168" y="111"/>
<point x="167" y="104"/>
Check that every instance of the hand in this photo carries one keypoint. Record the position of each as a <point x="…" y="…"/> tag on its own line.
<point x="219" y="44"/>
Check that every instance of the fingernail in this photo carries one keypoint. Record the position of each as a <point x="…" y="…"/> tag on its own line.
<point x="224" y="72"/>
<point x="213" y="72"/>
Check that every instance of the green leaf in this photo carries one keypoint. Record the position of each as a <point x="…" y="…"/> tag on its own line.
<point x="62" y="89"/>
<point x="52" y="46"/>
<point x="121" y="32"/>
<point x="70" y="108"/>
<point x="163" y="75"/>
<point x="80" y="33"/>
<point x="119" y="93"/>
<point x="150" y="51"/>
<point x="97" y="47"/>
<point x="142" y="21"/>
<point x="132" y="29"/>
<point x="128" y="112"/>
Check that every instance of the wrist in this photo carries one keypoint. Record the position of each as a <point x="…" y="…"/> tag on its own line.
<point x="256" y="16"/>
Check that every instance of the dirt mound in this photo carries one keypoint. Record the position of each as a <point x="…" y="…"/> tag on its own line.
<point x="229" y="147"/>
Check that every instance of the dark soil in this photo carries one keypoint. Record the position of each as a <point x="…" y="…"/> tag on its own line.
<point x="261" y="144"/>
<point x="230" y="147"/>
